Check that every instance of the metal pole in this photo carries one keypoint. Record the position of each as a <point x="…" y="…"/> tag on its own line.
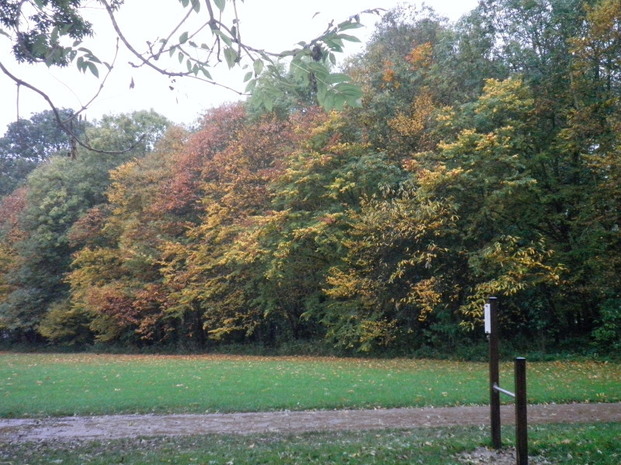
<point x="494" y="374"/>
<point x="521" y="421"/>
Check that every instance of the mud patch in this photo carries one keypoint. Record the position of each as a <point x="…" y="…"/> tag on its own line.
<point x="485" y="456"/>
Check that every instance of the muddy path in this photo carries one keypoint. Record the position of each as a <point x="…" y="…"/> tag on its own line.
<point x="131" y="426"/>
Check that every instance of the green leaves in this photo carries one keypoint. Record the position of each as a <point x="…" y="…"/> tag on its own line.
<point x="220" y="42"/>
<point x="39" y="29"/>
<point x="231" y="56"/>
<point x="196" y="4"/>
<point x="88" y="62"/>
<point x="340" y="95"/>
<point x="258" y="66"/>
<point x="381" y="226"/>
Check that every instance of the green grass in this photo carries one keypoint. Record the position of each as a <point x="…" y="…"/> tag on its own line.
<point x="84" y="384"/>
<point x="558" y="444"/>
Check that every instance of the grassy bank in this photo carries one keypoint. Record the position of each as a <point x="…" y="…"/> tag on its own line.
<point x="84" y="384"/>
<point x="566" y="444"/>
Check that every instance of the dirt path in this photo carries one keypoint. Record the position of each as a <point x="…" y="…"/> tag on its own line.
<point x="128" y="426"/>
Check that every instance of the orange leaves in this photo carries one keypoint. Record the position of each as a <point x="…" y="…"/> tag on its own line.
<point x="12" y="206"/>
<point x="418" y="120"/>
<point x="421" y="56"/>
<point x="112" y="311"/>
<point x="182" y="192"/>
<point x="237" y="175"/>
<point x="88" y="229"/>
<point x="389" y="75"/>
<point x="212" y="271"/>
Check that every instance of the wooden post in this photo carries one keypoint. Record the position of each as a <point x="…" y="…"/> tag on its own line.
<point x="521" y="421"/>
<point x="494" y="373"/>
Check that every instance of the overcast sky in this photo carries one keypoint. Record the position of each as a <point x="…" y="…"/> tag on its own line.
<point x="273" y="24"/>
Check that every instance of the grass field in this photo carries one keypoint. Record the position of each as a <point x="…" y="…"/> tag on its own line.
<point x="559" y="445"/>
<point x="85" y="384"/>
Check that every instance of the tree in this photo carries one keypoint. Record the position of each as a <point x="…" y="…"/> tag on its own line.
<point x="391" y="277"/>
<point x="533" y="38"/>
<point x="115" y="278"/>
<point x="593" y="132"/>
<point x="415" y="65"/>
<point x="324" y="183"/>
<point x="213" y="272"/>
<point x="58" y="194"/>
<point x="28" y="143"/>
<point x="378" y="228"/>
<point x="423" y="257"/>
<point x="394" y="72"/>
<point x="11" y="233"/>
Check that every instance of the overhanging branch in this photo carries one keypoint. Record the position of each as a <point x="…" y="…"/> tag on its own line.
<point x="65" y="125"/>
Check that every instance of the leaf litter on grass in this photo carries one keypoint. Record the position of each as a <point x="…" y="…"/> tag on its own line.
<point x="487" y="456"/>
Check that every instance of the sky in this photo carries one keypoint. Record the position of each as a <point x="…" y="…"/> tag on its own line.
<point x="272" y="24"/>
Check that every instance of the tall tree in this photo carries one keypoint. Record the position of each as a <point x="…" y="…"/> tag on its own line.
<point x="212" y="272"/>
<point x="11" y="233"/>
<point x="115" y="279"/>
<point x="394" y="72"/>
<point x="592" y="133"/>
<point x="423" y="258"/>
<point x="28" y="143"/>
<point x="327" y="175"/>
<point x="58" y="194"/>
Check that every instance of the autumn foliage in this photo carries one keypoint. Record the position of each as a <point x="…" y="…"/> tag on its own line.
<point x="469" y="170"/>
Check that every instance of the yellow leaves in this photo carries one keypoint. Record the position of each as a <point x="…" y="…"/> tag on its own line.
<point x="348" y="285"/>
<point x="94" y="266"/>
<point x="380" y="332"/>
<point x="421" y="115"/>
<point x="118" y="193"/>
<point x="604" y="20"/>
<point x="605" y="17"/>
<point x="329" y="123"/>
<point x="426" y="296"/>
<point x="446" y="114"/>
<point x="507" y="266"/>
<point x="342" y="148"/>
<point x="64" y="322"/>
<point x="433" y="181"/>
<point x="509" y="99"/>
<point x="467" y="137"/>
<point x="421" y="56"/>
<point x="340" y="185"/>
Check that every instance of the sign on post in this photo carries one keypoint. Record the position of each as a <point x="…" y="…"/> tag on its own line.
<point x="490" y="311"/>
<point x="487" y="312"/>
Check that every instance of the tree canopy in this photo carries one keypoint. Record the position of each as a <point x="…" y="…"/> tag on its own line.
<point x="470" y="169"/>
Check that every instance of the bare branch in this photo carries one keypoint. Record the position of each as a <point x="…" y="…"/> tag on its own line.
<point x="185" y="18"/>
<point x="102" y="83"/>
<point x="65" y="125"/>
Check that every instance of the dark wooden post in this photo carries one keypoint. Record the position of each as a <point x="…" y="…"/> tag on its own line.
<point x="494" y="373"/>
<point x="521" y="421"/>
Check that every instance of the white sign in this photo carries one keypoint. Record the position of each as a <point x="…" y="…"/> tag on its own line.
<point x="487" y="312"/>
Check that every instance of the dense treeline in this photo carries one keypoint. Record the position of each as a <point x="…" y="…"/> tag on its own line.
<point x="484" y="160"/>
